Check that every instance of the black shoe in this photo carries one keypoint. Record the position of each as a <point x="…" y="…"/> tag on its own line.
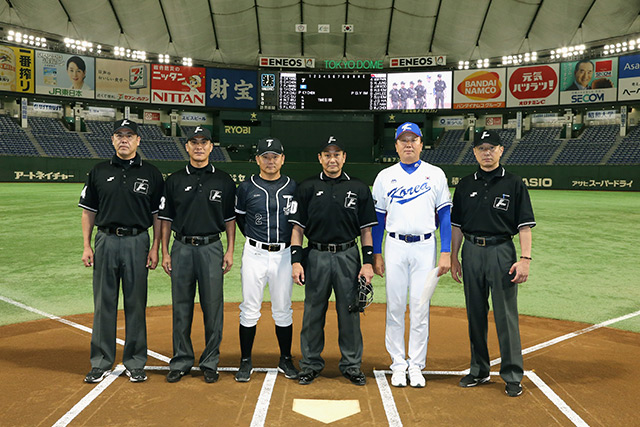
<point x="244" y="373"/>
<point x="96" y="375"/>
<point x="356" y="376"/>
<point x="472" y="381"/>
<point x="210" y="375"/>
<point x="513" y="389"/>
<point x="136" y="375"/>
<point x="175" y="375"/>
<point x="286" y="366"/>
<point x="307" y="377"/>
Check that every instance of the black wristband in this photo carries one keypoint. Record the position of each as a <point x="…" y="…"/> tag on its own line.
<point x="367" y="255"/>
<point x="296" y="254"/>
<point x="526" y="257"/>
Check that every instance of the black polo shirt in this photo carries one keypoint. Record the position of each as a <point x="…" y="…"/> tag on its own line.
<point x="123" y="193"/>
<point x="198" y="201"/>
<point x="333" y="210"/>
<point x="492" y="203"/>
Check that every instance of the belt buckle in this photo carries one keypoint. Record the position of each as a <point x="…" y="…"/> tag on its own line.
<point x="194" y="240"/>
<point x="274" y="247"/>
<point x="481" y="241"/>
<point x="332" y="247"/>
<point x="120" y="231"/>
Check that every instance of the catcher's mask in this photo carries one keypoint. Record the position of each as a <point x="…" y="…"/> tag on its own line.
<point x="364" y="296"/>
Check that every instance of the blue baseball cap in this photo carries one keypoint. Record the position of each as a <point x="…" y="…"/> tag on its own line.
<point x="408" y="127"/>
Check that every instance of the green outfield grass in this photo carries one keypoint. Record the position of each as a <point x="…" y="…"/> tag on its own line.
<point x="584" y="266"/>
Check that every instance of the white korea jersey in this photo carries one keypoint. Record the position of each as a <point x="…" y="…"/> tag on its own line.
<point x="410" y="201"/>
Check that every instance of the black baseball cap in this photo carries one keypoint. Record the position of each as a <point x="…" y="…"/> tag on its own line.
<point x="125" y="124"/>
<point x="199" y="131"/>
<point x="486" y="136"/>
<point x="269" y="145"/>
<point x="332" y="141"/>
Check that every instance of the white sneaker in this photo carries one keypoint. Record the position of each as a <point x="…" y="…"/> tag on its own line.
<point x="416" y="379"/>
<point x="399" y="378"/>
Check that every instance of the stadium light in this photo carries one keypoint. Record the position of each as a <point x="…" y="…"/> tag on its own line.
<point x="188" y="62"/>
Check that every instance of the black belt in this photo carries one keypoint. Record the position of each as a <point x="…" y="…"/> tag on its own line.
<point x="410" y="238"/>
<point x="332" y="247"/>
<point x="121" y="231"/>
<point x="197" y="240"/>
<point x="271" y="247"/>
<point x="486" y="241"/>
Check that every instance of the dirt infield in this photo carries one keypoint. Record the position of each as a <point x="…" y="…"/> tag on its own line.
<point x="42" y="364"/>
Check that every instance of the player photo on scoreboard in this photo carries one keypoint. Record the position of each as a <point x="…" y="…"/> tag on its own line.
<point x="418" y="91"/>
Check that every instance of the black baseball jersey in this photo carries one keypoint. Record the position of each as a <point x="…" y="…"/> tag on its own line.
<point x="198" y="201"/>
<point x="333" y="210"/>
<point x="123" y="193"/>
<point x="421" y="92"/>
<point x="395" y="95"/>
<point x="403" y="92"/>
<point x="439" y="86"/>
<point x="266" y="206"/>
<point x="492" y="203"/>
<point x="411" y="93"/>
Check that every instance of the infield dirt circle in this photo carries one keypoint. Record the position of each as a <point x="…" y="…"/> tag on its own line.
<point x="592" y="375"/>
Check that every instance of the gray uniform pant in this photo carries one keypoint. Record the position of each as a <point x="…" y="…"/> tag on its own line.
<point x="326" y="271"/>
<point x="119" y="259"/>
<point x="203" y="264"/>
<point x="486" y="269"/>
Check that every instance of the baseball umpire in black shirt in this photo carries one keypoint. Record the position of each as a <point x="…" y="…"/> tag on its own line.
<point x="332" y="210"/>
<point x="198" y="205"/>
<point x="489" y="208"/>
<point x="121" y="197"/>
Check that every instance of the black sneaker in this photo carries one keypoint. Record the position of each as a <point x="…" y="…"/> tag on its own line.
<point x="356" y="376"/>
<point x="175" y="375"/>
<point x="244" y="373"/>
<point x="307" y="377"/>
<point x="136" y="375"/>
<point x="96" y="375"/>
<point x="287" y="368"/>
<point x="513" y="389"/>
<point x="210" y="375"/>
<point x="472" y="381"/>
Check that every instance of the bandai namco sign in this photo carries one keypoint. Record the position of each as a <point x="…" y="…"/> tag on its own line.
<point x="481" y="86"/>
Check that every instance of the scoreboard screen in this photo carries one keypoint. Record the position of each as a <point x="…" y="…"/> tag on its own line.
<point x="332" y="91"/>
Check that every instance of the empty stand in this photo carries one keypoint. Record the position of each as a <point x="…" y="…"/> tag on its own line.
<point x="14" y="140"/>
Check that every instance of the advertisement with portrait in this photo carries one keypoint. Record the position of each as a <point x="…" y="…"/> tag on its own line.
<point x="479" y="88"/>
<point x="629" y="78"/>
<point x="61" y="74"/>
<point x="533" y="85"/>
<point x="174" y="84"/>
<point x="420" y="90"/>
<point x="16" y="69"/>
<point x="122" y="81"/>
<point x="589" y="81"/>
<point x="228" y="88"/>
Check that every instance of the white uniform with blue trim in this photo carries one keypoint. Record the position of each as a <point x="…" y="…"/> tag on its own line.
<point x="410" y="202"/>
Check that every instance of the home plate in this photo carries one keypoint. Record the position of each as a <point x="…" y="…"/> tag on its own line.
<point x="326" y="411"/>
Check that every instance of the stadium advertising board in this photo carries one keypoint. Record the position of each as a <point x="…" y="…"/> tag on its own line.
<point x="122" y="81"/>
<point x="229" y="88"/>
<point x="418" y="61"/>
<point x="479" y="89"/>
<point x="268" y="90"/>
<point x="629" y="78"/>
<point x="174" y="84"/>
<point x="452" y="121"/>
<point x="416" y="91"/>
<point x="533" y="85"/>
<point x="588" y="81"/>
<point x="16" y="69"/>
<point x="61" y="74"/>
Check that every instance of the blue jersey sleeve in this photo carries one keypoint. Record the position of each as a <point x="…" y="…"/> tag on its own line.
<point x="444" y="216"/>
<point x="377" y="232"/>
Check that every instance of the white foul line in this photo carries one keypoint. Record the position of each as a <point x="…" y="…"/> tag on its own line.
<point x="571" y="335"/>
<point x="553" y="397"/>
<point x="89" y="397"/>
<point x="387" y="399"/>
<point x="262" y="407"/>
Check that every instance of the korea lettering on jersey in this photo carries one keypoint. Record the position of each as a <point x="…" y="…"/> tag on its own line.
<point x="410" y="201"/>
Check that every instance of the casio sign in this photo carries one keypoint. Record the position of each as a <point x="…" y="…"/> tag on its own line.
<point x="538" y="182"/>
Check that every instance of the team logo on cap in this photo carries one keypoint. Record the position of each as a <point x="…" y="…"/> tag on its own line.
<point x="331" y="140"/>
<point x="269" y="141"/>
<point x="485" y="134"/>
<point x="125" y="122"/>
<point x="406" y="127"/>
<point x="198" y="129"/>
